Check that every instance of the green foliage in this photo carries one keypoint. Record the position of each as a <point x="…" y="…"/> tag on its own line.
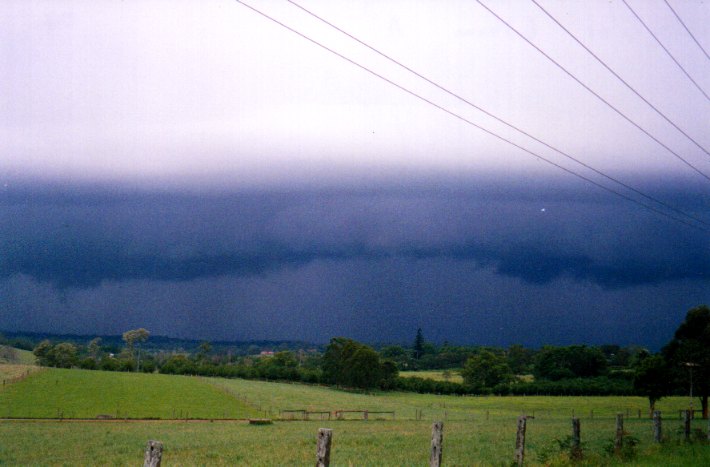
<point x="418" y="347"/>
<point x="351" y="364"/>
<point x="575" y="361"/>
<point x="689" y="351"/>
<point x="629" y="447"/>
<point x="652" y="379"/>
<point x="486" y="370"/>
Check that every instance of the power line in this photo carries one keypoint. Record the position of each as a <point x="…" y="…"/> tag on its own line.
<point x="556" y="63"/>
<point x="619" y="77"/>
<point x="462" y="99"/>
<point x="666" y="50"/>
<point x="687" y="30"/>
<point x="465" y="120"/>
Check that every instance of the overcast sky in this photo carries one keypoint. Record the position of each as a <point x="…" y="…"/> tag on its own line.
<point x="199" y="170"/>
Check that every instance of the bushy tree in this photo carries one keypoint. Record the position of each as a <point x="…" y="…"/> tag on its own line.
<point x="652" y="379"/>
<point x="43" y="353"/>
<point x="65" y="355"/>
<point x="349" y="363"/>
<point x="486" y="370"/>
<point x="689" y="351"/>
<point x="575" y="361"/>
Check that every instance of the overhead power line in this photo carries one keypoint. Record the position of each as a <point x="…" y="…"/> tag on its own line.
<point x="469" y="122"/>
<point x="594" y="93"/>
<point x="596" y="57"/>
<point x="668" y="52"/>
<point x="686" y="29"/>
<point x="509" y="125"/>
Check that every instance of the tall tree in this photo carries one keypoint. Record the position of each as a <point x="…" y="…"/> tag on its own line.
<point x="486" y="370"/>
<point x="133" y="339"/>
<point x="688" y="353"/>
<point x="418" y="344"/>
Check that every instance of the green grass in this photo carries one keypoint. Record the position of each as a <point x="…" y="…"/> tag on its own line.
<point x="477" y="430"/>
<point x="278" y="396"/>
<point x="86" y="394"/>
<point x="437" y="375"/>
<point x="293" y="443"/>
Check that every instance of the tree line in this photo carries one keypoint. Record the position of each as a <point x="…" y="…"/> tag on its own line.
<point x="346" y="363"/>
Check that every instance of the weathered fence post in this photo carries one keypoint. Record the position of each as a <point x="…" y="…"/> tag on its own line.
<point x="323" y="447"/>
<point x="619" y="440"/>
<point x="687" y="415"/>
<point x="576" y="439"/>
<point x="437" y="438"/>
<point x="520" y="440"/>
<point x="153" y="454"/>
<point x="657" y="427"/>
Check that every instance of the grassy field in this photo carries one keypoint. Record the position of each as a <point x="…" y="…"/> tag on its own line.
<point x="56" y="393"/>
<point x="9" y="372"/>
<point x="437" y="375"/>
<point x="477" y="430"/>
<point x="381" y="443"/>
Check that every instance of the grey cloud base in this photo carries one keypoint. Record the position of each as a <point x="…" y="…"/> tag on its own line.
<point x="83" y="254"/>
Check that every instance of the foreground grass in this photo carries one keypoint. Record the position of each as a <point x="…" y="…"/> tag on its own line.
<point x="380" y="443"/>
<point x="85" y="394"/>
<point x="477" y="430"/>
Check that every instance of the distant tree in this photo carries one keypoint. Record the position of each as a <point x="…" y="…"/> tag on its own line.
<point x="43" y="353"/>
<point x="94" y="348"/>
<point x="486" y="370"/>
<point x="418" y="347"/>
<point x="688" y="353"/>
<point x="65" y="355"/>
<point x="652" y="379"/>
<point x="519" y="359"/>
<point x="133" y="339"/>
<point x="349" y="363"/>
<point x="285" y="359"/>
<point x="204" y="350"/>
<point x="575" y="361"/>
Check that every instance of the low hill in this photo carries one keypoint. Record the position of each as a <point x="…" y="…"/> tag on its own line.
<point x="16" y="356"/>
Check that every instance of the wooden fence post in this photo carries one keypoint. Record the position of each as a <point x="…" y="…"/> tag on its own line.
<point x="325" y="435"/>
<point x="657" y="427"/>
<point x="619" y="440"/>
<point x="520" y="441"/>
<point x="687" y="415"/>
<point x="576" y="439"/>
<point x="437" y="439"/>
<point x="153" y="454"/>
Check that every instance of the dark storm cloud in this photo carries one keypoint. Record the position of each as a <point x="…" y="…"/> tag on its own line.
<point x="74" y="238"/>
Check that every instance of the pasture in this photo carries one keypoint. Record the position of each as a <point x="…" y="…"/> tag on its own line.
<point x="477" y="430"/>
<point x="437" y="375"/>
